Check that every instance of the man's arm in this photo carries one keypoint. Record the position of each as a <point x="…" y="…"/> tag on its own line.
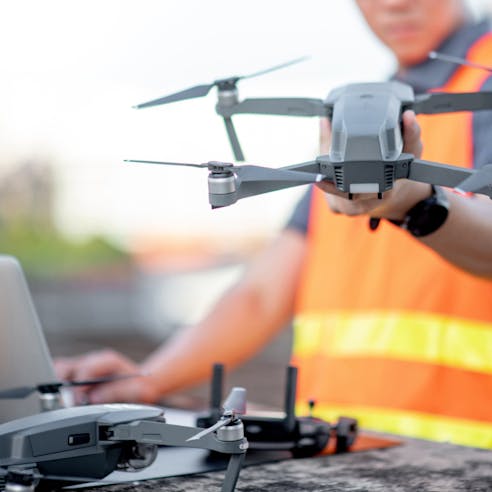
<point x="242" y="321"/>
<point x="465" y="238"/>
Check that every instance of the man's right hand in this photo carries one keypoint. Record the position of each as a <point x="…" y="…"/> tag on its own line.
<point x="141" y="389"/>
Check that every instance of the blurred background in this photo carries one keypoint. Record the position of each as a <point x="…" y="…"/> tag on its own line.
<point x="120" y="254"/>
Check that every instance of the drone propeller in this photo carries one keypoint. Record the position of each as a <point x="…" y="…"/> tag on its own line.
<point x="236" y="182"/>
<point x="235" y="404"/>
<point x="246" y="172"/>
<point x="479" y="180"/>
<point x="225" y="84"/>
<point x="53" y="387"/>
<point x="434" y="55"/>
<point x="185" y="164"/>
<point x="450" y="102"/>
<point x="236" y="401"/>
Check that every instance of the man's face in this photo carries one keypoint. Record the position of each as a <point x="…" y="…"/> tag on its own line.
<point x="412" y="28"/>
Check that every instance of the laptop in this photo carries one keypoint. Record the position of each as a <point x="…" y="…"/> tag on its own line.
<point x="24" y="356"/>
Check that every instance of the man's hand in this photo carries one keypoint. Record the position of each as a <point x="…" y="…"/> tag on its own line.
<point x="103" y="363"/>
<point x="396" y="202"/>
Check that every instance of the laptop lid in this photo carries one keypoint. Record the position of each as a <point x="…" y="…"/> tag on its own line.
<point x="24" y="356"/>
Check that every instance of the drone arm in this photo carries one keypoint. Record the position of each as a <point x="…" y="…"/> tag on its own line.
<point x="314" y="167"/>
<point x="452" y="102"/>
<point x="164" y="434"/>
<point x="255" y="180"/>
<point x="438" y="174"/>
<point x="277" y="106"/>
<point x="231" y="133"/>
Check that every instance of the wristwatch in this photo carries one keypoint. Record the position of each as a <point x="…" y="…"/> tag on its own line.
<point x="426" y="216"/>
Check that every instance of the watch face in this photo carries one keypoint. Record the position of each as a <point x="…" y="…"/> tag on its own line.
<point x="427" y="216"/>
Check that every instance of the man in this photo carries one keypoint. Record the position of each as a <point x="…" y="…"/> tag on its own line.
<point x="392" y="326"/>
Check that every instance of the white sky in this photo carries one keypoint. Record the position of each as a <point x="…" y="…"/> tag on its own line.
<point x="71" y="70"/>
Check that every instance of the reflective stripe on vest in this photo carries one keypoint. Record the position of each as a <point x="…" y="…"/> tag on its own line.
<point x="386" y="330"/>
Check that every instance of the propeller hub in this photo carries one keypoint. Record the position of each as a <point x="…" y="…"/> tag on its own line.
<point x="228" y="84"/>
<point x="219" y="167"/>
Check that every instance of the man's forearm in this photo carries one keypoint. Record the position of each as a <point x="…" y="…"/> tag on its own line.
<point x="230" y="334"/>
<point x="242" y="321"/>
<point x="465" y="239"/>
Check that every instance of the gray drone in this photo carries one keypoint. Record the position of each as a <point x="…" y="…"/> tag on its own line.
<point x="84" y="444"/>
<point x="366" y="151"/>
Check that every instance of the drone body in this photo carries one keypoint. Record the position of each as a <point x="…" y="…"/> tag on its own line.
<point x="366" y="151"/>
<point x="87" y="443"/>
<point x="69" y="441"/>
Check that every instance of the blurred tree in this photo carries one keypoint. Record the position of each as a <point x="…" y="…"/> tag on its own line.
<point x="28" y="231"/>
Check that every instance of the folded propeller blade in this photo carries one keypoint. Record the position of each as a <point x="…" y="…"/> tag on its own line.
<point x="448" y="102"/>
<point x="17" y="393"/>
<point x="185" y="164"/>
<point x="205" y="432"/>
<point x="209" y="165"/>
<point x="25" y="391"/>
<point x="234" y="404"/>
<point x="276" y="67"/>
<point x="434" y="55"/>
<point x="191" y="93"/>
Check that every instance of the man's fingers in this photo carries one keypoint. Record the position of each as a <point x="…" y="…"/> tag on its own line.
<point x="65" y="367"/>
<point x="329" y="187"/>
<point x="324" y="135"/>
<point x="411" y="134"/>
<point x="127" y="391"/>
<point x="103" y="363"/>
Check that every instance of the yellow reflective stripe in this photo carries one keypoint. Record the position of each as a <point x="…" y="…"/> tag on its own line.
<point x="410" y="424"/>
<point x="418" y="337"/>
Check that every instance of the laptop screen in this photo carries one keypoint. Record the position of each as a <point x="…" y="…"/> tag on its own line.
<point x="24" y="356"/>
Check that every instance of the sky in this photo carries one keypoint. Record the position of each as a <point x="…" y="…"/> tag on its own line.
<point x="72" y="70"/>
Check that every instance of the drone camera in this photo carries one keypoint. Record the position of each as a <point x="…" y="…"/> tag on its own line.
<point x="137" y="456"/>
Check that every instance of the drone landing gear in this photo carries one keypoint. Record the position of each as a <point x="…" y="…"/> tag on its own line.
<point x="232" y="473"/>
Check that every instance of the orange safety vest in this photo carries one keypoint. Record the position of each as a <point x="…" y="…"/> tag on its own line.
<point x="387" y="331"/>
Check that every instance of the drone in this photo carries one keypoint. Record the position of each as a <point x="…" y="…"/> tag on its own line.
<point x="366" y="151"/>
<point x="84" y="444"/>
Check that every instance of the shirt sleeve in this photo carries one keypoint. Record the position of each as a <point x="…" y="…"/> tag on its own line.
<point x="482" y="132"/>
<point x="299" y="219"/>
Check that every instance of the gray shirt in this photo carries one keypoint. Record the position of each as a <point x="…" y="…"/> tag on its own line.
<point x="423" y="77"/>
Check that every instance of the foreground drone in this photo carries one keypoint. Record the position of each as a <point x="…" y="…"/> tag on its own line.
<point x="366" y="151"/>
<point x="84" y="444"/>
